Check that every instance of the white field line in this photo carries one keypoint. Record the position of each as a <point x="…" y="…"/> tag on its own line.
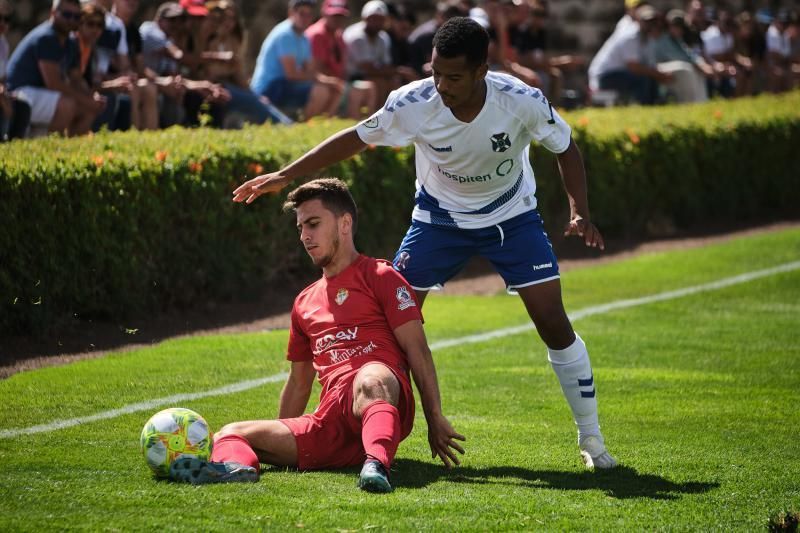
<point x="482" y="337"/>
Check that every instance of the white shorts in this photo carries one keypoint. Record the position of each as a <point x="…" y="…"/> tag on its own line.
<point x="43" y="103"/>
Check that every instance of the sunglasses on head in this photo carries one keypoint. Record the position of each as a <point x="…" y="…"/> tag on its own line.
<point x="71" y="15"/>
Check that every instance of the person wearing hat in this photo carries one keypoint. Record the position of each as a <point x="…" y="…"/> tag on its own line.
<point x="620" y="65"/>
<point x="670" y="54"/>
<point x="330" y="52"/>
<point x="286" y="72"/>
<point x="369" y="51"/>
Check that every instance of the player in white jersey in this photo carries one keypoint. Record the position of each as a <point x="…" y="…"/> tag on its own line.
<point x="472" y="130"/>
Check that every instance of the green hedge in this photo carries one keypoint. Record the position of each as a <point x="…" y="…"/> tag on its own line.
<point x="116" y="225"/>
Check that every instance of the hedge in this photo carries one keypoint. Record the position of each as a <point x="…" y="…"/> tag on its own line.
<point x="119" y="224"/>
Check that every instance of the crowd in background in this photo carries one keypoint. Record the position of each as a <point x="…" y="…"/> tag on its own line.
<point x="93" y="64"/>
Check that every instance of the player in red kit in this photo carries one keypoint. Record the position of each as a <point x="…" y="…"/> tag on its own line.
<point x="359" y="330"/>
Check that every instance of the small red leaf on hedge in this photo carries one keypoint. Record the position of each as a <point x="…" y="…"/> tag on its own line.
<point x="161" y="156"/>
<point x="717" y="114"/>
<point x="98" y="160"/>
<point x="632" y="136"/>
<point x="583" y="122"/>
<point x="255" y="169"/>
<point x="195" y="167"/>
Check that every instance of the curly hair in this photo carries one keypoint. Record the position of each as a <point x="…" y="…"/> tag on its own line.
<point x="462" y="36"/>
<point x="333" y="192"/>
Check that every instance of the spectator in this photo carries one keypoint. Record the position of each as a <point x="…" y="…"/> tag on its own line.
<point x="750" y="46"/>
<point x="502" y="14"/>
<point x="671" y="54"/>
<point x="14" y="113"/>
<point x="731" y="78"/>
<point x="144" y="116"/>
<point x="529" y="39"/>
<point x="285" y="70"/>
<point x="222" y="63"/>
<point x="696" y="23"/>
<point x="619" y="64"/>
<point x="628" y="22"/>
<point x="401" y="24"/>
<point x="369" y="51"/>
<point x="421" y="39"/>
<point x="330" y="52"/>
<point x="163" y="57"/>
<point x="36" y="73"/>
<point x="779" y="54"/>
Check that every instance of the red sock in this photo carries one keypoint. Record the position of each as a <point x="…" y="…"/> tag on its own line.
<point x="380" y="431"/>
<point x="233" y="448"/>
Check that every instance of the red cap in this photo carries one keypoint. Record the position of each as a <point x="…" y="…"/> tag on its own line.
<point x="195" y="8"/>
<point x="335" y="7"/>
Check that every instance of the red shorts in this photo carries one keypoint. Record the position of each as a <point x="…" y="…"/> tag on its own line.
<point x="330" y="437"/>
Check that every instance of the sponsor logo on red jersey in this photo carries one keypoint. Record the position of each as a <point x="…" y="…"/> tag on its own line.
<point x="326" y="341"/>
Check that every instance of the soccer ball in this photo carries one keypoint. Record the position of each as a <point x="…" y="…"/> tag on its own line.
<point x="173" y="433"/>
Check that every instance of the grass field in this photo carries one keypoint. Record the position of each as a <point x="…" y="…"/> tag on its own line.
<point x="698" y="398"/>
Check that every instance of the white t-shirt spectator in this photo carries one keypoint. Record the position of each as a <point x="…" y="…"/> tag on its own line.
<point x="620" y="49"/>
<point x="113" y="41"/>
<point x="362" y="49"/>
<point x="715" y="42"/>
<point x="778" y="42"/>
<point x="154" y="44"/>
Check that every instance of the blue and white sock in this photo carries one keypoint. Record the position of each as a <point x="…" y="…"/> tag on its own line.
<point x="574" y="372"/>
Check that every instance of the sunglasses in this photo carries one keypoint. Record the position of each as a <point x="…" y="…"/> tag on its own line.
<point x="71" y="15"/>
<point x="97" y="24"/>
<point x="5" y="18"/>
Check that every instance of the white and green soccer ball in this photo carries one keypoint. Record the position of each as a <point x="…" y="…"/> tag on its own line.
<point x="174" y="433"/>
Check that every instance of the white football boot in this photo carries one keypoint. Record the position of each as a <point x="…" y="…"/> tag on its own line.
<point x="594" y="453"/>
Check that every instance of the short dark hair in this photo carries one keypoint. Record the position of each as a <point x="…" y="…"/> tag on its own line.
<point x="333" y="192"/>
<point x="462" y="36"/>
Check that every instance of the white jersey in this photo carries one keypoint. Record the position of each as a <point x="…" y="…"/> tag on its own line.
<point x="470" y="175"/>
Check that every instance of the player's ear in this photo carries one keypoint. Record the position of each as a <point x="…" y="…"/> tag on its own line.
<point x="346" y="224"/>
<point x="482" y="70"/>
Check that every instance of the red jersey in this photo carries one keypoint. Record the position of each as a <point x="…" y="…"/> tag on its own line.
<point x="343" y="322"/>
<point x="328" y="49"/>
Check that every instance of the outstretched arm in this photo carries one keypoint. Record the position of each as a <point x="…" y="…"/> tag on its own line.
<point x="297" y="390"/>
<point x="570" y="164"/>
<point x="335" y="148"/>
<point x="441" y="435"/>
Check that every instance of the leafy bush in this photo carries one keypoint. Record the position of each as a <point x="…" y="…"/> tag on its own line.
<point x="121" y="224"/>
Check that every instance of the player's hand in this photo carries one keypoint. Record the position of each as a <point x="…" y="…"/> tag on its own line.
<point x="584" y="228"/>
<point x="442" y="439"/>
<point x="265" y="184"/>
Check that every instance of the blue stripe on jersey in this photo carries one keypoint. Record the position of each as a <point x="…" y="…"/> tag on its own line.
<point x="586" y="382"/>
<point x="441" y="217"/>
<point x="427" y="92"/>
<point x="589" y="394"/>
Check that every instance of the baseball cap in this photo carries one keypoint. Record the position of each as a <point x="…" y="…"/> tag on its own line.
<point x="480" y="16"/>
<point x="676" y="16"/>
<point x="297" y="3"/>
<point x="335" y="7"/>
<point x="374" y="7"/>
<point x="646" y="13"/>
<point x="195" y="8"/>
<point x="169" y="10"/>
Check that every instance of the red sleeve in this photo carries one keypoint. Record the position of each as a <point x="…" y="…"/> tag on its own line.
<point x="299" y="348"/>
<point x="395" y="296"/>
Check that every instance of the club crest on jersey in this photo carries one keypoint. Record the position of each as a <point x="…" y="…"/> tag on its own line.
<point x="341" y="296"/>
<point x="501" y="142"/>
<point x="371" y="122"/>
<point x="404" y="297"/>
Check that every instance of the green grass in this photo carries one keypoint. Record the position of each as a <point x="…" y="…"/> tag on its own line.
<point x="698" y="399"/>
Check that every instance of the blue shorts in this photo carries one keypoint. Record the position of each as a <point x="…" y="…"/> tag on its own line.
<point x="288" y="94"/>
<point x="518" y="248"/>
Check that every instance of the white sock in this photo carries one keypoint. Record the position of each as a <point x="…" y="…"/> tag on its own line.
<point x="574" y="372"/>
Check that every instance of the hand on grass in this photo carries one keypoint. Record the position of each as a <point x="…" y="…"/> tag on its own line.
<point x="442" y="439"/>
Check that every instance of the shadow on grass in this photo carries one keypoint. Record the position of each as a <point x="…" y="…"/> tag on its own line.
<point x="622" y="482"/>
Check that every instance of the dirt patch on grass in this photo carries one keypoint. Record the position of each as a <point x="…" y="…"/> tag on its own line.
<point x="89" y="340"/>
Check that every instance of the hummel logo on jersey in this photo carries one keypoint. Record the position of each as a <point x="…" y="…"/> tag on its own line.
<point x="543" y="266"/>
<point x="500" y="142"/>
<point x="441" y="149"/>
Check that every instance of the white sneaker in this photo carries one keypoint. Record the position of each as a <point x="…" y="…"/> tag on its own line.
<point x="594" y="453"/>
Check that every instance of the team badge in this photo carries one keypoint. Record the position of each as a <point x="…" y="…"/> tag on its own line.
<point x="501" y="142"/>
<point x="341" y="296"/>
<point x="405" y="299"/>
<point x="371" y="122"/>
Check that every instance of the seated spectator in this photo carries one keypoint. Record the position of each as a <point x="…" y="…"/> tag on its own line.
<point x="14" y="113"/>
<point x="620" y="65"/>
<point x="671" y="54"/>
<point x="369" y="51"/>
<point x="696" y="23"/>
<point x="502" y="15"/>
<point x="529" y="39"/>
<point x="286" y="72"/>
<point x="223" y="64"/>
<point x="145" y="115"/>
<point x="36" y="74"/>
<point x="731" y="78"/>
<point x="779" y="54"/>
<point x="400" y="25"/>
<point x="329" y="52"/>
<point x="750" y="46"/>
<point x="421" y="39"/>
<point x="162" y="57"/>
